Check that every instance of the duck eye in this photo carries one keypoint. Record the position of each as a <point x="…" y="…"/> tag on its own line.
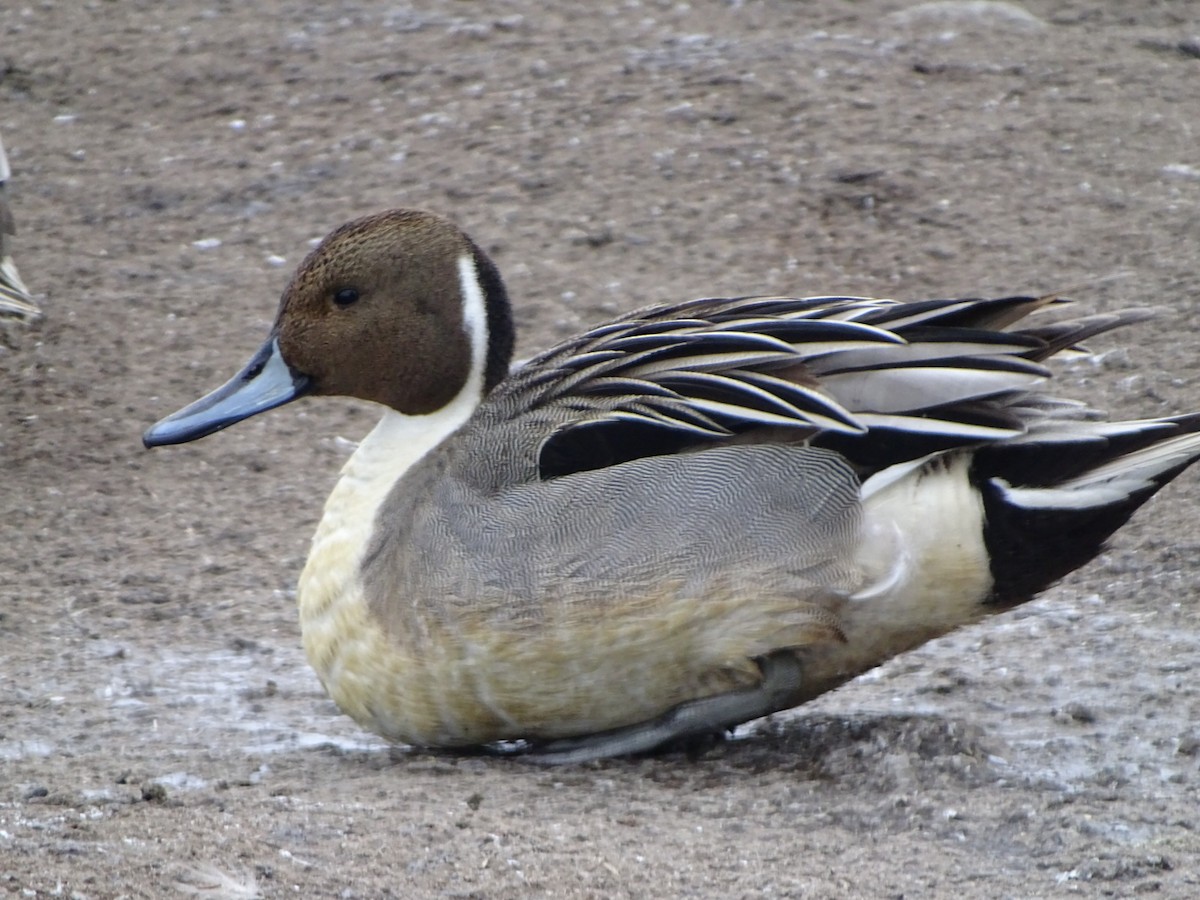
<point x="346" y="297"/>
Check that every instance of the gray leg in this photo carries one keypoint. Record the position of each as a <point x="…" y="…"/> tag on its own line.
<point x="781" y="680"/>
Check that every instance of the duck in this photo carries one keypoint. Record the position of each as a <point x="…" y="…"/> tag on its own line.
<point x="15" y="299"/>
<point x="681" y="520"/>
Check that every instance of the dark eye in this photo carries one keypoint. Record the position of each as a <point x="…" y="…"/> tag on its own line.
<point x="346" y="297"/>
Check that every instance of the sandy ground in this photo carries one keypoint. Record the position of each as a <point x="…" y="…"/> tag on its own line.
<point x="160" y="732"/>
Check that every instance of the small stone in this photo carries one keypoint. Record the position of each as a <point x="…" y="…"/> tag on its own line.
<point x="1189" y="744"/>
<point x="1075" y="712"/>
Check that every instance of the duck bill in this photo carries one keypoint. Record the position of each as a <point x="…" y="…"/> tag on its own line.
<point x="265" y="383"/>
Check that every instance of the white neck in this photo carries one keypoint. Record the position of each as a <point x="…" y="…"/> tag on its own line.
<point x="345" y="644"/>
<point x="393" y="447"/>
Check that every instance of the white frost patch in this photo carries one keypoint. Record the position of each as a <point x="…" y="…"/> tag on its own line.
<point x="1181" y="170"/>
<point x="986" y="13"/>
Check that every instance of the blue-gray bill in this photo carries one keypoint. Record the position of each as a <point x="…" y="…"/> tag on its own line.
<point x="265" y="383"/>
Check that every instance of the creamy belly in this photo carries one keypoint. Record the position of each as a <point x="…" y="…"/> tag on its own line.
<point x="587" y="667"/>
<point x="449" y="673"/>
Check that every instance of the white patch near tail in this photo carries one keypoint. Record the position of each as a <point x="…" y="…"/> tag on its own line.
<point x="924" y="553"/>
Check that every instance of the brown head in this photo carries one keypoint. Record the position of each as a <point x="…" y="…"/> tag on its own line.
<point x="376" y="312"/>
<point x="393" y="308"/>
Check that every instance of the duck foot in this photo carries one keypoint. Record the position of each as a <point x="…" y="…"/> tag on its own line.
<point x="690" y="727"/>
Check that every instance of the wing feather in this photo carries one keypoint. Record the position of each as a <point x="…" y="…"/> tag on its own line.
<point x="932" y="374"/>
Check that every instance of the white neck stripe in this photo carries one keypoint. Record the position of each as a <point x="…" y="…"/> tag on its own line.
<point x="474" y="317"/>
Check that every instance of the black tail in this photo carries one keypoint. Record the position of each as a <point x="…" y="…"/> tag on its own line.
<point x="1052" y="499"/>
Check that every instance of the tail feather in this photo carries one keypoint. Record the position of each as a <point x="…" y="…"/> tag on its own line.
<point x="1054" y="453"/>
<point x="1051" y="506"/>
<point x="1067" y="335"/>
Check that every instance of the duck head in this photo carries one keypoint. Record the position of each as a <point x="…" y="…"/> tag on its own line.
<point x="400" y="308"/>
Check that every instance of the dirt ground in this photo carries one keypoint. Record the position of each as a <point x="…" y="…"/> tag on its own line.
<point x="160" y="731"/>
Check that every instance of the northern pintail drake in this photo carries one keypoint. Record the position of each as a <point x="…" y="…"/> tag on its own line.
<point x="15" y="299"/>
<point x="680" y="520"/>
